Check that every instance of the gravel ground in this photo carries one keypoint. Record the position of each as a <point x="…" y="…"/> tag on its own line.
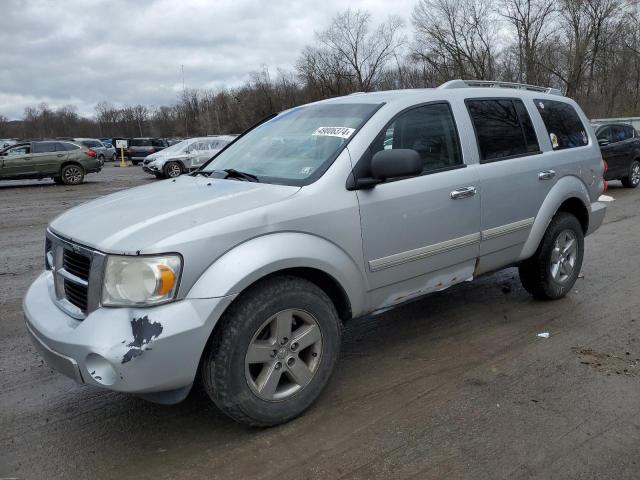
<point x="457" y="385"/>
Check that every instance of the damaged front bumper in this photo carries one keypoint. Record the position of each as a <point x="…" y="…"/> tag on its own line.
<point x="145" y="351"/>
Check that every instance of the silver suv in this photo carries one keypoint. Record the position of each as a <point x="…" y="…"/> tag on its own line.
<point x="241" y="274"/>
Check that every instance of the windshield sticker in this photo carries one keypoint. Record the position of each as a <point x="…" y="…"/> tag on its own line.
<point x="554" y="140"/>
<point x="342" y="132"/>
<point x="307" y="170"/>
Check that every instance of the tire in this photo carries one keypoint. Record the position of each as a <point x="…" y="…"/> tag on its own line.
<point x="114" y="157"/>
<point x="172" y="170"/>
<point x="72" y="174"/>
<point x="135" y="162"/>
<point x="259" y="393"/>
<point x="547" y="276"/>
<point x="632" y="180"/>
<point x="101" y="158"/>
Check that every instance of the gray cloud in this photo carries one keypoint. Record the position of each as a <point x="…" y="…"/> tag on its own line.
<point x="83" y="51"/>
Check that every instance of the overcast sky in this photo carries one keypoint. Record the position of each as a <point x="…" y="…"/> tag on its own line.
<point x="80" y="52"/>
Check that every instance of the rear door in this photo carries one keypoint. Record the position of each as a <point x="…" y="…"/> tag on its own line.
<point x="46" y="157"/>
<point x="512" y="181"/>
<point x="621" y="149"/>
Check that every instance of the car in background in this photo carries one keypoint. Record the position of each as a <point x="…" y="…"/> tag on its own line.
<point x="64" y="161"/>
<point x="620" y="147"/>
<point x="185" y="156"/>
<point x="7" y="142"/>
<point x="95" y="145"/>
<point x="110" y="154"/>
<point x="140" y="148"/>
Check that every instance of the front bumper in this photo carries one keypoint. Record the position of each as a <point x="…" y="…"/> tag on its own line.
<point x="133" y="350"/>
<point x="150" y="169"/>
<point x="597" y="212"/>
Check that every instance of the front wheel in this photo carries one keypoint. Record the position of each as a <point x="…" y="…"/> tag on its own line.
<point x="273" y="352"/>
<point x="172" y="170"/>
<point x="114" y="157"/>
<point x="554" y="268"/>
<point x="632" y="180"/>
<point x="72" y="174"/>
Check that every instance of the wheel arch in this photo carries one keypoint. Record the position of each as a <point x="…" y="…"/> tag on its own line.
<point x="569" y="195"/>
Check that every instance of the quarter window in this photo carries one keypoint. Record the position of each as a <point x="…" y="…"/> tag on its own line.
<point x="430" y="131"/>
<point x="503" y="128"/>
<point x="563" y="124"/>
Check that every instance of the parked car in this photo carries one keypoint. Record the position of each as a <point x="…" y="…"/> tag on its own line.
<point x="95" y="145"/>
<point x="185" y="156"/>
<point x="620" y="146"/>
<point x="7" y="142"/>
<point x="140" y="148"/>
<point x="63" y="161"/>
<point x="110" y="152"/>
<point x="243" y="272"/>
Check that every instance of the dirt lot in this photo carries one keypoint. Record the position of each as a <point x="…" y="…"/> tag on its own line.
<point x="457" y="385"/>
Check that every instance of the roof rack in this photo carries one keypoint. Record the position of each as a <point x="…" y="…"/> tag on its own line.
<point x="496" y="84"/>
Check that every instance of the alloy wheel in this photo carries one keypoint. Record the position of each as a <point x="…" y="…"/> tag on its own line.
<point x="635" y="173"/>
<point x="72" y="175"/>
<point x="284" y="354"/>
<point x="564" y="256"/>
<point x="174" y="170"/>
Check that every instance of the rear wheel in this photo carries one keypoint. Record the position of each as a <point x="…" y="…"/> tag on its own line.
<point x="135" y="162"/>
<point x="72" y="174"/>
<point x="552" y="271"/>
<point x="172" y="170"/>
<point x="632" y="180"/>
<point x="273" y="352"/>
<point x="114" y="157"/>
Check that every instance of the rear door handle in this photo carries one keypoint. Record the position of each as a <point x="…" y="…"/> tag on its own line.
<point x="464" y="192"/>
<point x="546" y="175"/>
<point x="60" y="155"/>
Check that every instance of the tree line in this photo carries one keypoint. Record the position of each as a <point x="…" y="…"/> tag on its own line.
<point x="590" y="49"/>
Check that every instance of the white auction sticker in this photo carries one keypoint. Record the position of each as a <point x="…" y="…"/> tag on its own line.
<point x="342" y="132"/>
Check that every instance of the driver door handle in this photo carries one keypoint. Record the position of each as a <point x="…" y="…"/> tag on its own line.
<point x="464" y="192"/>
<point x="546" y="175"/>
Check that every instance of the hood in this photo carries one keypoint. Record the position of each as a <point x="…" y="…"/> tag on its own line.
<point x="137" y="219"/>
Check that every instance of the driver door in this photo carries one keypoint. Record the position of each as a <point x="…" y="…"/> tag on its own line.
<point x="17" y="162"/>
<point x="421" y="234"/>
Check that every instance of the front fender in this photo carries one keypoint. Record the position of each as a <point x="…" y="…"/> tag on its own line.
<point x="564" y="189"/>
<point x="256" y="258"/>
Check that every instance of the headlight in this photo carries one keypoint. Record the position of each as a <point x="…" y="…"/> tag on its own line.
<point x="130" y="280"/>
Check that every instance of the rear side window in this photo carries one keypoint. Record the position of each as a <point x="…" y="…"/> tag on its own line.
<point x="430" y="131"/>
<point x="66" y="146"/>
<point x="141" y="142"/>
<point x="503" y="128"/>
<point x="44" y="147"/>
<point x="563" y="124"/>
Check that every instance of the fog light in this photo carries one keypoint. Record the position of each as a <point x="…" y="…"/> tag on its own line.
<point x="100" y="369"/>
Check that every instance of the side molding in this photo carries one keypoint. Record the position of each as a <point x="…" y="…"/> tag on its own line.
<point x="256" y="258"/>
<point x="565" y="188"/>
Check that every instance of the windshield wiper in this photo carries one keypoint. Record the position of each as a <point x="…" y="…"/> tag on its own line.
<point x="200" y="172"/>
<point x="233" y="173"/>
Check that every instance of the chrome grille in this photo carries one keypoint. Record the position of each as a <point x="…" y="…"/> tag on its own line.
<point x="77" y="275"/>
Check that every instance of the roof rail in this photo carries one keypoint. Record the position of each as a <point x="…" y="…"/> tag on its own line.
<point x="496" y="84"/>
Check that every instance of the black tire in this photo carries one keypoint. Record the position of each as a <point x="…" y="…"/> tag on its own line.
<point x="72" y="174"/>
<point x="223" y="366"/>
<point x="632" y="180"/>
<point x="135" y="162"/>
<point x="536" y="272"/>
<point x="114" y="157"/>
<point x="172" y="170"/>
<point x="101" y="158"/>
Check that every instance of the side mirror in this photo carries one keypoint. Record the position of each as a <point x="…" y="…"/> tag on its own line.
<point x="395" y="163"/>
<point x="603" y="142"/>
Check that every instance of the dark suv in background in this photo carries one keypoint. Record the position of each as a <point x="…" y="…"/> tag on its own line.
<point x="620" y="146"/>
<point x="63" y="161"/>
<point x="139" y="148"/>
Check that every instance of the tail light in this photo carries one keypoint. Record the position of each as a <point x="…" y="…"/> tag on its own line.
<point x="605" y="165"/>
<point x="90" y="153"/>
<point x="605" y="184"/>
<point x="153" y="150"/>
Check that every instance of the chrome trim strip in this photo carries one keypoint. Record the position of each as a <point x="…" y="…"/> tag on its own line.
<point x="72" y="277"/>
<point x="506" y="229"/>
<point x="423" y="252"/>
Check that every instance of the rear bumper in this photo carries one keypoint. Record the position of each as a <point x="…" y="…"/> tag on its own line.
<point x="101" y="350"/>
<point x="596" y="216"/>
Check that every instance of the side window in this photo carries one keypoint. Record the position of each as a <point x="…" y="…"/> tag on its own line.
<point x="44" y="147"/>
<point x="618" y="133"/>
<point x="157" y="142"/>
<point x="430" y="131"/>
<point x="21" y="150"/>
<point x="629" y="132"/>
<point x="60" y="147"/>
<point x="503" y="128"/>
<point x="603" y="134"/>
<point x="563" y="124"/>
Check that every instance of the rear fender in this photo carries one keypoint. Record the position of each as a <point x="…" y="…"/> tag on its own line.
<point x="564" y="189"/>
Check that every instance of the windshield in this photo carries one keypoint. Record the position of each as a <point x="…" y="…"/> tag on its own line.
<point x="177" y="147"/>
<point x="297" y="146"/>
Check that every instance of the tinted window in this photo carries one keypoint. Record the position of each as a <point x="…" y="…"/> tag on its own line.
<point x="603" y="134"/>
<point x="156" y="142"/>
<point x="430" y="131"/>
<point x="618" y="133"/>
<point x="141" y="142"/>
<point x="563" y="124"/>
<point x="503" y="128"/>
<point x="44" y="147"/>
<point x="629" y="132"/>
<point x="67" y="146"/>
